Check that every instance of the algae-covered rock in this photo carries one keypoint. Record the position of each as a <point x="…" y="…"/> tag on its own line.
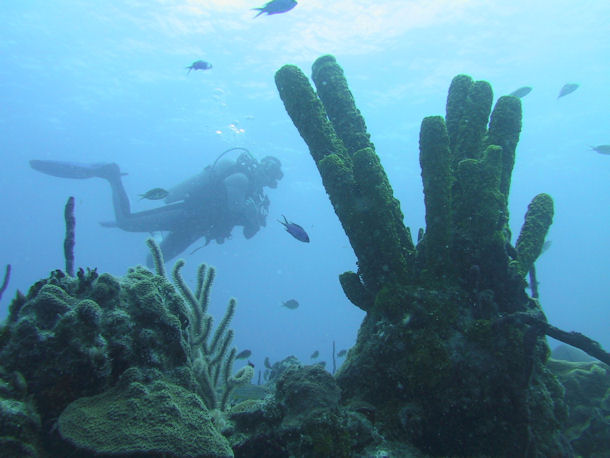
<point x="70" y="338"/>
<point x="301" y="417"/>
<point x="300" y="390"/>
<point x="587" y="395"/>
<point x="68" y="345"/>
<point x="19" y="429"/>
<point x="157" y="418"/>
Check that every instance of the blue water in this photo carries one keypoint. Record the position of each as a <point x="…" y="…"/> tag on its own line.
<point x="106" y="81"/>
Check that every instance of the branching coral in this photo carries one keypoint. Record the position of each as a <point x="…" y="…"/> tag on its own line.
<point x="212" y="360"/>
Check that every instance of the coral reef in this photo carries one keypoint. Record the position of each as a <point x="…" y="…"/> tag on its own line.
<point x="450" y="359"/>
<point x="79" y="351"/>
<point x="451" y="352"/>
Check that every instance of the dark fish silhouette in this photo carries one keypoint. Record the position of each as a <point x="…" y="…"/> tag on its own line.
<point x="295" y="230"/>
<point x="601" y="149"/>
<point x="567" y="89"/>
<point x="521" y="92"/>
<point x="315" y="354"/>
<point x="276" y="7"/>
<point x="291" y="304"/>
<point x="243" y="354"/>
<point x="199" y="65"/>
<point x="154" y="194"/>
<point x="342" y="353"/>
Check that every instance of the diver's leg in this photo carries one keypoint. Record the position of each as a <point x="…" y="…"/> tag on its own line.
<point x="160" y="219"/>
<point x="120" y="200"/>
<point x="76" y="170"/>
<point x="108" y="171"/>
<point x="166" y="218"/>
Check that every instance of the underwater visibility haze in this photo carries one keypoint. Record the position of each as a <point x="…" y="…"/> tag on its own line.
<point x="165" y="89"/>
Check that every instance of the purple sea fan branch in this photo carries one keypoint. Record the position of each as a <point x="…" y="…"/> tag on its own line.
<point x="7" y="277"/>
<point x="69" y="240"/>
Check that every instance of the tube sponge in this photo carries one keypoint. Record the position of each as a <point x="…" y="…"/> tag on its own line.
<point x="437" y="178"/>
<point x="538" y="219"/>
<point x="504" y="130"/>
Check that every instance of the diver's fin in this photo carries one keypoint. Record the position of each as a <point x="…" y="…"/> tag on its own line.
<point x="76" y="169"/>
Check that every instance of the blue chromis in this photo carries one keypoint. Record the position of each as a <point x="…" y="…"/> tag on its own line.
<point x="295" y="230"/>
<point x="291" y="304"/>
<point x="199" y="65"/>
<point x="276" y="7"/>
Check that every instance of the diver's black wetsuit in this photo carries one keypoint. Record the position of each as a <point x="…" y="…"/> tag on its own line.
<point x="208" y="205"/>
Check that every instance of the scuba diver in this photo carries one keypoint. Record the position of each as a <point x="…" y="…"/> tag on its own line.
<point x="226" y="194"/>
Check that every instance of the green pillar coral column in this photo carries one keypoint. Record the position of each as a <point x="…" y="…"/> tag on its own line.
<point x="307" y="113"/>
<point x="504" y="130"/>
<point x="351" y="172"/>
<point x="339" y="103"/>
<point x="350" y="127"/>
<point x="434" y="158"/>
<point x="468" y="107"/>
<point x="479" y="215"/>
<point x="538" y="219"/>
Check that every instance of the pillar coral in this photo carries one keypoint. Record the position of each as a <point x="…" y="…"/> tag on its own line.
<point x="436" y="354"/>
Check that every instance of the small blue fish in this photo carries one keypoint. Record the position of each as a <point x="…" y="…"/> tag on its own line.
<point x="199" y="65"/>
<point x="276" y="7"/>
<point x="295" y="230"/>
<point x="291" y="304"/>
